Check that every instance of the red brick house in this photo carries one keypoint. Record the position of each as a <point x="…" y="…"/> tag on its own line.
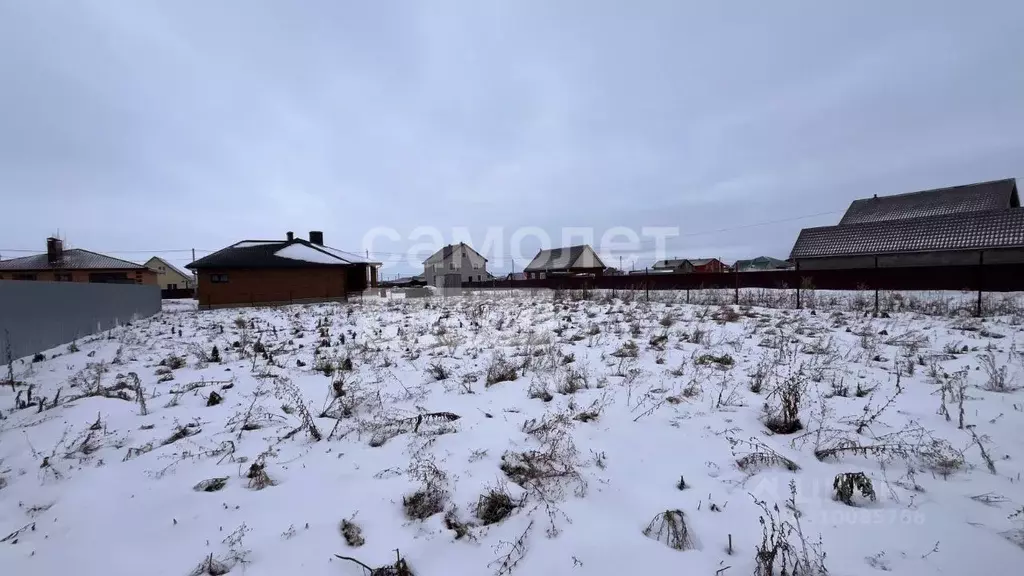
<point x="281" y="272"/>
<point x="74" y="265"/>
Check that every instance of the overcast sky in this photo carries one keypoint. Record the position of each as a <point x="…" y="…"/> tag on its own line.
<point x="133" y="126"/>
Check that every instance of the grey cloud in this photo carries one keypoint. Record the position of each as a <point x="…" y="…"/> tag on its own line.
<point x="160" y="125"/>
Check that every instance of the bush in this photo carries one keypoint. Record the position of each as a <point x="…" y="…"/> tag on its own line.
<point x="669" y="527"/>
<point x="500" y="370"/>
<point x="723" y="361"/>
<point x="173" y="362"/>
<point x="424" y="503"/>
<point x="438" y="371"/>
<point x="494" y="506"/>
<point x="352" y="533"/>
<point x="847" y="483"/>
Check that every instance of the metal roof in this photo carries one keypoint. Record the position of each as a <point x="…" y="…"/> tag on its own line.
<point x="445" y="252"/>
<point x="263" y="254"/>
<point x="965" y="231"/>
<point x="170" y="266"/>
<point x="980" y="197"/>
<point x="71" y="259"/>
<point x="560" y="258"/>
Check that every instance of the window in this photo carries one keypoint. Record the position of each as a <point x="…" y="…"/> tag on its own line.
<point x="24" y="277"/>
<point x="219" y="278"/>
<point x="62" y="276"/>
<point x="172" y="286"/>
<point x="162" y="270"/>
<point x="452" y="265"/>
<point x="477" y="277"/>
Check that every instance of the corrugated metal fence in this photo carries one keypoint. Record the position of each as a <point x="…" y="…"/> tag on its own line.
<point x="35" y="316"/>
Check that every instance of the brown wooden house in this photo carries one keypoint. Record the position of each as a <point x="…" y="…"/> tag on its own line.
<point x="281" y="272"/>
<point x="74" y="265"/>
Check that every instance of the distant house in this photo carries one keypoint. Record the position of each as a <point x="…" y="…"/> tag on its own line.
<point x="454" y="264"/>
<point x="573" y="260"/>
<point x="961" y="225"/>
<point x="169" y="276"/>
<point x="761" y="263"/>
<point x="691" y="265"/>
<point x="280" y="272"/>
<point x="404" y="281"/>
<point x="516" y="276"/>
<point x="75" y="265"/>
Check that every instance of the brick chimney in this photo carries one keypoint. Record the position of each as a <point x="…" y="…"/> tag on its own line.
<point x="291" y="236"/>
<point x="54" y="250"/>
<point x="316" y="237"/>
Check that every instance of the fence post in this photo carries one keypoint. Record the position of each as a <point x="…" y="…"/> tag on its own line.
<point x="876" y="285"/>
<point x="736" y="295"/>
<point x="647" y="283"/>
<point x="981" y="276"/>
<point x="797" y="278"/>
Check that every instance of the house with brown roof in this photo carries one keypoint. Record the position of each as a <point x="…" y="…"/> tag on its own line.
<point x="74" y="265"/>
<point x="690" y="265"/>
<point x="971" y="224"/>
<point x="572" y="260"/>
<point x="281" y="272"/>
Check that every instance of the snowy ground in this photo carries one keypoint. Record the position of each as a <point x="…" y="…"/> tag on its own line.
<point x="494" y="434"/>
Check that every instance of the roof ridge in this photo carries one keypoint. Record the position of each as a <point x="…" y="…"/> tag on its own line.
<point x="942" y="189"/>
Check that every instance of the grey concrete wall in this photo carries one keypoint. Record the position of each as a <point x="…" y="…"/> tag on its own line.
<point x="40" y="315"/>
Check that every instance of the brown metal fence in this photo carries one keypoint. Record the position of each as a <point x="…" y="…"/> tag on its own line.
<point x="987" y="278"/>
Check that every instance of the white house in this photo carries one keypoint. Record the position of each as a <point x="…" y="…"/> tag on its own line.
<point x="459" y="262"/>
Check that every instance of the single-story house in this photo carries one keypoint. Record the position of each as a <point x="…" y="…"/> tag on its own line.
<point x="281" y="272"/>
<point x="963" y="225"/>
<point x="573" y="260"/>
<point x="169" y="276"/>
<point x="516" y="276"/>
<point x="761" y="263"/>
<point x="74" y="265"/>
<point x="691" y="265"/>
<point x="455" y="264"/>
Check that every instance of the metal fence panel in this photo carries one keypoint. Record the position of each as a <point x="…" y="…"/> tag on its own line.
<point x="36" y="316"/>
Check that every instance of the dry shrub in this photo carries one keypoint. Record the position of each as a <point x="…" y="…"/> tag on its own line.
<point x="495" y="505"/>
<point x="211" y="484"/>
<point x="425" y="502"/>
<point x="500" y="369"/>
<point x="669" y="527"/>
<point x="352" y="533"/>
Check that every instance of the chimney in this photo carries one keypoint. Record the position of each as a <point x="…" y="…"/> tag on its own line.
<point x="54" y="250"/>
<point x="291" y="236"/>
<point x="316" y="237"/>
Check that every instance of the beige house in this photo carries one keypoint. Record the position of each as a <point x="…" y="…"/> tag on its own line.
<point x="169" y="276"/>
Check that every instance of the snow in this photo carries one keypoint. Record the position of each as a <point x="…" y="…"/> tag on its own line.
<point x="255" y="243"/>
<point x="307" y="254"/>
<point x="350" y="256"/>
<point x="102" y="488"/>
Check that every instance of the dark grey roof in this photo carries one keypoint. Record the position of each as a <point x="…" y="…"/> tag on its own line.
<point x="670" y="263"/>
<point x="261" y="254"/>
<point x="446" y="252"/>
<point x="72" y="259"/>
<point x="967" y="231"/>
<point x="980" y="197"/>
<point x="559" y="259"/>
<point x="762" y="263"/>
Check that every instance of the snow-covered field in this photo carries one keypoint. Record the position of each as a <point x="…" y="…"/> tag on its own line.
<point x="513" y="433"/>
